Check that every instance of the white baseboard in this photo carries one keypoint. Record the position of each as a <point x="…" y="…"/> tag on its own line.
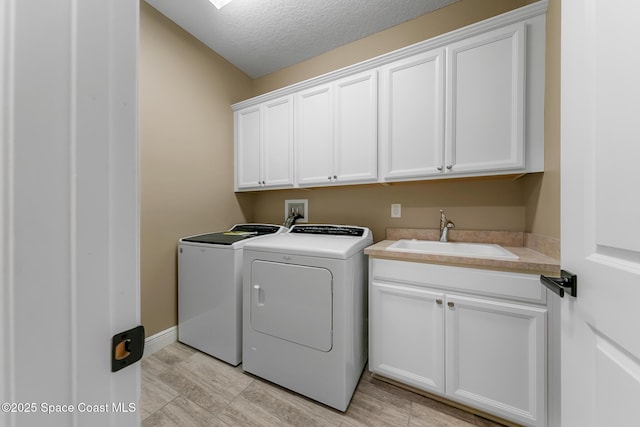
<point x="160" y="340"/>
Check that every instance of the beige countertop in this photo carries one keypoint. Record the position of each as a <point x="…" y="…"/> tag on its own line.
<point x="530" y="260"/>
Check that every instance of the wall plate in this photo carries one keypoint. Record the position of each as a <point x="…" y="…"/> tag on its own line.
<point x="396" y="210"/>
<point x="302" y="206"/>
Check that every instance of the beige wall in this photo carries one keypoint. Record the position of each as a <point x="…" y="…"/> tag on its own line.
<point x="186" y="150"/>
<point x="456" y="15"/>
<point x="186" y="137"/>
<point x="485" y="205"/>
<point x="542" y="191"/>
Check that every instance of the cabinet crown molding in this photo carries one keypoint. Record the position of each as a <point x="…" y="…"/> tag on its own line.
<point x="521" y="14"/>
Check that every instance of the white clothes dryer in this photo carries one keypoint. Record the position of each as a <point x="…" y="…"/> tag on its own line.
<point x="210" y="289"/>
<point x="305" y="310"/>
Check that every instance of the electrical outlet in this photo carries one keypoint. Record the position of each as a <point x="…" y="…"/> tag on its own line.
<point x="396" y="210"/>
<point x="299" y="206"/>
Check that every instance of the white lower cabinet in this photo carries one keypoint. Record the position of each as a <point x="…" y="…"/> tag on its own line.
<point x="496" y="357"/>
<point x="463" y="337"/>
<point x="399" y="315"/>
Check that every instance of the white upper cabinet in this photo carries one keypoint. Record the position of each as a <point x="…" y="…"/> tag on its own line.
<point x="248" y="137"/>
<point x="466" y="103"/>
<point x="486" y="101"/>
<point x="468" y="120"/>
<point x="264" y="145"/>
<point x="314" y="135"/>
<point x="336" y="132"/>
<point x="412" y="116"/>
<point x="356" y="132"/>
<point x="277" y="143"/>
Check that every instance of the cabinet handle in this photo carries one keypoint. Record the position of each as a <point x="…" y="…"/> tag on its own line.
<point x="449" y="167"/>
<point x="450" y="304"/>
<point x="329" y="178"/>
<point x="439" y="301"/>
<point x="335" y="177"/>
<point x="439" y="168"/>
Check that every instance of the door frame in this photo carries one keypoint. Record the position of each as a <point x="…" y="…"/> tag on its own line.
<point x="69" y="208"/>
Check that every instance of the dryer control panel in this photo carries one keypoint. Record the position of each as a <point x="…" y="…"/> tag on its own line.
<point x="331" y="230"/>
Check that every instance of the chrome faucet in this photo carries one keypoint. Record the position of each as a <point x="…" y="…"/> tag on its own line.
<point x="445" y="225"/>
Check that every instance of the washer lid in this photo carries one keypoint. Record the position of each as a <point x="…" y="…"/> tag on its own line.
<point x="222" y="238"/>
<point x="236" y="234"/>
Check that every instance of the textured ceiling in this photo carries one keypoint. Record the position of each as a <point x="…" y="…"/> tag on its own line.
<point x="263" y="36"/>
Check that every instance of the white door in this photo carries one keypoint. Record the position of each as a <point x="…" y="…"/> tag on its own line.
<point x="600" y="212"/>
<point x="69" y="211"/>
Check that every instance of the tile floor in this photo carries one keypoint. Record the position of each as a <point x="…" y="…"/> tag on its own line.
<point x="184" y="387"/>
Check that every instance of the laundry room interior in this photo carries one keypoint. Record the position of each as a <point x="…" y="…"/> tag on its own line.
<point x="187" y="164"/>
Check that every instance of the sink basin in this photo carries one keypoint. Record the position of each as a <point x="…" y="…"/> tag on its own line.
<point x="472" y="250"/>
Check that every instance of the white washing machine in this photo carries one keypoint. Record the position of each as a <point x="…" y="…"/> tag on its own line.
<point x="210" y="289"/>
<point x="305" y="310"/>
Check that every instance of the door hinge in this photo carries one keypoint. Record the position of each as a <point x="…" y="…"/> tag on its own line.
<point x="127" y="348"/>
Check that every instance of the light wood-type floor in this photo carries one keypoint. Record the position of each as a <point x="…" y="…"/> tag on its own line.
<point x="184" y="387"/>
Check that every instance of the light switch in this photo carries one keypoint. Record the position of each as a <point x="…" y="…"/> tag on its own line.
<point x="396" y="210"/>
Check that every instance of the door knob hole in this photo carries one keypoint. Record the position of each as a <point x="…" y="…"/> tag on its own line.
<point x="123" y="350"/>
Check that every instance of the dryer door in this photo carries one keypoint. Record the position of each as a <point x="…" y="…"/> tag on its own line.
<point x="292" y="302"/>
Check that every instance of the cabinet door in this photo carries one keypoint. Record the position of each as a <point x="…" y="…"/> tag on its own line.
<point x="496" y="357"/>
<point x="277" y="143"/>
<point x="411" y="116"/>
<point x="248" y="124"/>
<point x="406" y="335"/>
<point x="315" y="136"/>
<point x="356" y="138"/>
<point x="485" y="102"/>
